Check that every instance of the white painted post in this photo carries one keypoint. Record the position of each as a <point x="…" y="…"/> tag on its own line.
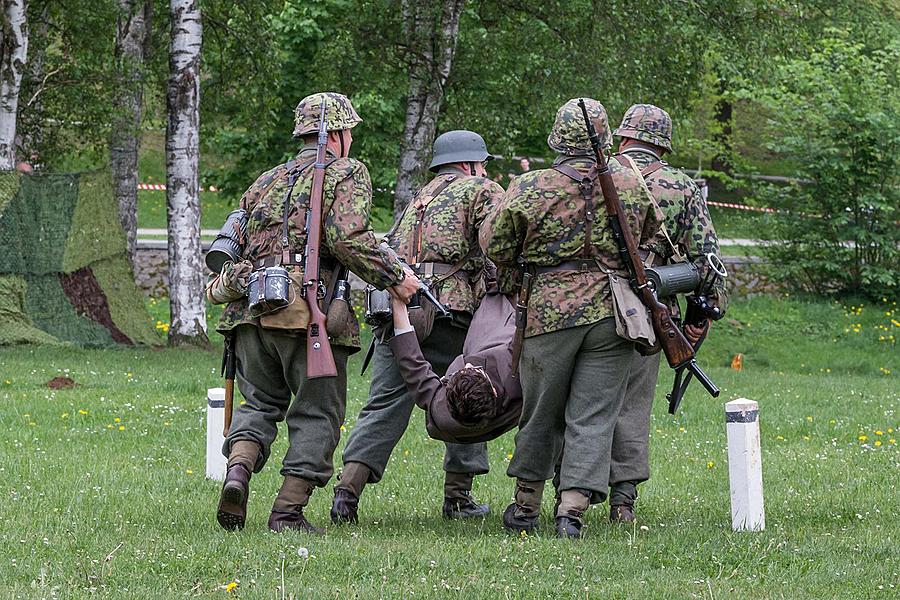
<point x="744" y="465"/>
<point x="215" y="424"/>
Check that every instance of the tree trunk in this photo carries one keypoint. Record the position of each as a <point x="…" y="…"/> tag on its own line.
<point x="188" y="308"/>
<point x="132" y="27"/>
<point x="13" y="54"/>
<point x="431" y="28"/>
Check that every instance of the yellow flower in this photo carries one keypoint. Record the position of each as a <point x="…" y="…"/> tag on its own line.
<point x="879" y="432"/>
<point x="806" y="437"/>
<point x="863" y="438"/>
<point x="64" y="416"/>
<point x="809" y="419"/>
<point x="877" y="443"/>
<point x="109" y="426"/>
<point x="81" y="411"/>
<point x="710" y="464"/>
<point x="343" y="428"/>
<point x="230" y="587"/>
<point x="121" y="428"/>
<point x="892" y="442"/>
<point x="117" y="420"/>
<point x="509" y="456"/>
<point x="8" y="382"/>
<point x="890" y="430"/>
<point x="167" y="423"/>
<point x="189" y="471"/>
<point x="779" y="438"/>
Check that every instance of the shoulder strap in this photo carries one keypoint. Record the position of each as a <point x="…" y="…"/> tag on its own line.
<point x="627" y="162"/>
<point x="586" y="183"/>
<point x="420" y="204"/>
<point x="295" y="172"/>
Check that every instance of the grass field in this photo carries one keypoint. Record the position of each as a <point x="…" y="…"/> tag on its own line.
<point x="104" y="495"/>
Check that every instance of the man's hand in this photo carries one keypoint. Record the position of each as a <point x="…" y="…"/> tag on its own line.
<point x="693" y="334"/>
<point x="407" y="288"/>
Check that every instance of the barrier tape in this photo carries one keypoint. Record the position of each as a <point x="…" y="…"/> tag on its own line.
<point x="161" y="187"/>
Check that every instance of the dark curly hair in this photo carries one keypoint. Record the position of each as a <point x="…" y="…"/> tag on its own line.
<point x="470" y="396"/>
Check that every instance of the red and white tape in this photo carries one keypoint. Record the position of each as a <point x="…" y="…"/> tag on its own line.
<point x="741" y="206"/>
<point x="161" y="187"/>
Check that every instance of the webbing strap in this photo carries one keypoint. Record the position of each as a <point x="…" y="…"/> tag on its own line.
<point x="420" y="204"/>
<point x="586" y="187"/>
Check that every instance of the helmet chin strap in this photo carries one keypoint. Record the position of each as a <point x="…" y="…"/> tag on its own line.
<point x="341" y="136"/>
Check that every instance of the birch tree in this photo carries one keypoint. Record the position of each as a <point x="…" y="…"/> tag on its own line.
<point x="13" y="54"/>
<point x="132" y="27"/>
<point x="431" y="28"/>
<point x="188" y="309"/>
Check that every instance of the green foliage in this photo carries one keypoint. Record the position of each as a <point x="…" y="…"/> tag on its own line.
<point x="836" y="115"/>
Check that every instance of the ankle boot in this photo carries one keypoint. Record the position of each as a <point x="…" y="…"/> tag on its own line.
<point x="345" y="505"/>
<point x="459" y="503"/>
<point x="287" y="512"/>
<point x="622" y="496"/>
<point x="569" y="515"/>
<point x="523" y="514"/>
<point x="232" y="511"/>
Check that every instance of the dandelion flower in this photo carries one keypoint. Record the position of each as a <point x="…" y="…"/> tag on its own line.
<point x="81" y="411"/>
<point x="877" y="443"/>
<point x="117" y="420"/>
<point x="879" y="432"/>
<point x="710" y="464"/>
<point x="863" y="438"/>
<point x="302" y="552"/>
<point x="230" y="587"/>
<point x="121" y="428"/>
<point x="189" y="471"/>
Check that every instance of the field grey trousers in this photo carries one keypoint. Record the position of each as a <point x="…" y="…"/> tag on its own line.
<point x="385" y="417"/>
<point x="271" y="374"/>
<point x="573" y="382"/>
<point x="630" y="461"/>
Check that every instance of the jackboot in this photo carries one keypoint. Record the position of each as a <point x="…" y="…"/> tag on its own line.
<point x="524" y="513"/>
<point x="345" y="505"/>
<point x="232" y="511"/>
<point x="287" y="512"/>
<point x="622" y="496"/>
<point x="459" y="503"/>
<point x="570" y="513"/>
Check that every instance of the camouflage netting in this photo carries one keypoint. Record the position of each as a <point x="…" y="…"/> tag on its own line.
<point x="64" y="276"/>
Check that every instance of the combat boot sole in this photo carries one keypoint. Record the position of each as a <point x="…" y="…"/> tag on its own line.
<point x="232" y="513"/>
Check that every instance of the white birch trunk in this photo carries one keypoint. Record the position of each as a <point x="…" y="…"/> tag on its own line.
<point x="188" y="321"/>
<point x="13" y="55"/>
<point x="124" y="141"/>
<point x="431" y="29"/>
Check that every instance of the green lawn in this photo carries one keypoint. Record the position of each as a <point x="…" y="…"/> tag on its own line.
<point x="103" y="488"/>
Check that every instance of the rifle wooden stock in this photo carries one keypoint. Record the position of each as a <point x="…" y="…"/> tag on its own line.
<point x="319" y="357"/>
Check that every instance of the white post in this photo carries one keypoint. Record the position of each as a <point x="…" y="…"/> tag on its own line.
<point x="215" y="425"/>
<point x="744" y="465"/>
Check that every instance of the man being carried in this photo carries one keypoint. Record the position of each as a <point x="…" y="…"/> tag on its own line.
<point x="479" y="398"/>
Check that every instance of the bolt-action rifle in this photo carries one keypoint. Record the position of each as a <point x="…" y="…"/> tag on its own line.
<point x="319" y="358"/>
<point x="678" y="350"/>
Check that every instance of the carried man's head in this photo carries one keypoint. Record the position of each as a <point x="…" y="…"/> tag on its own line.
<point x="471" y="396"/>
<point x="569" y="135"/>
<point x="340" y="118"/>
<point x="647" y="125"/>
<point x="462" y="149"/>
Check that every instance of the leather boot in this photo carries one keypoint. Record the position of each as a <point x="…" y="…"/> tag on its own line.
<point x="232" y="511"/>
<point x="524" y="513"/>
<point x="622" y="496"/>
<point x="569" y="515"/>
<point x="287" y="512"/>
<point x="345" y="505"/>
<point x="621" y="513"/>
<point x="458" y="500"/>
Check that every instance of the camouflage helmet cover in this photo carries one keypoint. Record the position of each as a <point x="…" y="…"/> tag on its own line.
<point x="339" y="113"/>
<point x="569" y="135"/>
<point x="458" y="146"/>
<point x="647" y="123"/>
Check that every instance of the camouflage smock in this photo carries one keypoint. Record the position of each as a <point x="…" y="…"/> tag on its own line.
<point x="346" y="234"/>
<point x="449" y="232"/>
<point x="543" y="214"/>
<point x="686" y="214"/>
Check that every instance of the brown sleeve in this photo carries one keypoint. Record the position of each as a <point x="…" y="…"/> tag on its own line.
<point x="421" y="380"/>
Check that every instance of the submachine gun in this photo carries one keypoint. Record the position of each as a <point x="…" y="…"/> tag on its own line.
<point x="679" y="352"/>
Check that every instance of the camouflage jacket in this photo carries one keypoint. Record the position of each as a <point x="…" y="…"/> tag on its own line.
<point x="686" y="215"/>
<point x="542" y="217"/>
<point x="346" y="235"/>
<point x="448" y="232"/>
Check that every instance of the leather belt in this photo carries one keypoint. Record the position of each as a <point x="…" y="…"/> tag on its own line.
<point x="428" y="269"/>
<point x="571" y="265"/>
<point x="296" y="258"/>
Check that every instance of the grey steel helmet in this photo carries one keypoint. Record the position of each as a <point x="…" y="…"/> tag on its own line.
<point x="458" y="146"/>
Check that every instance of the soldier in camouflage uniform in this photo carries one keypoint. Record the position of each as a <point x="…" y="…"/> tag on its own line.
<point x="438" y="235"/>
<point x="573" y="365"/>
<point x="271" y="363"/>
<point x="646" y="133"/>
